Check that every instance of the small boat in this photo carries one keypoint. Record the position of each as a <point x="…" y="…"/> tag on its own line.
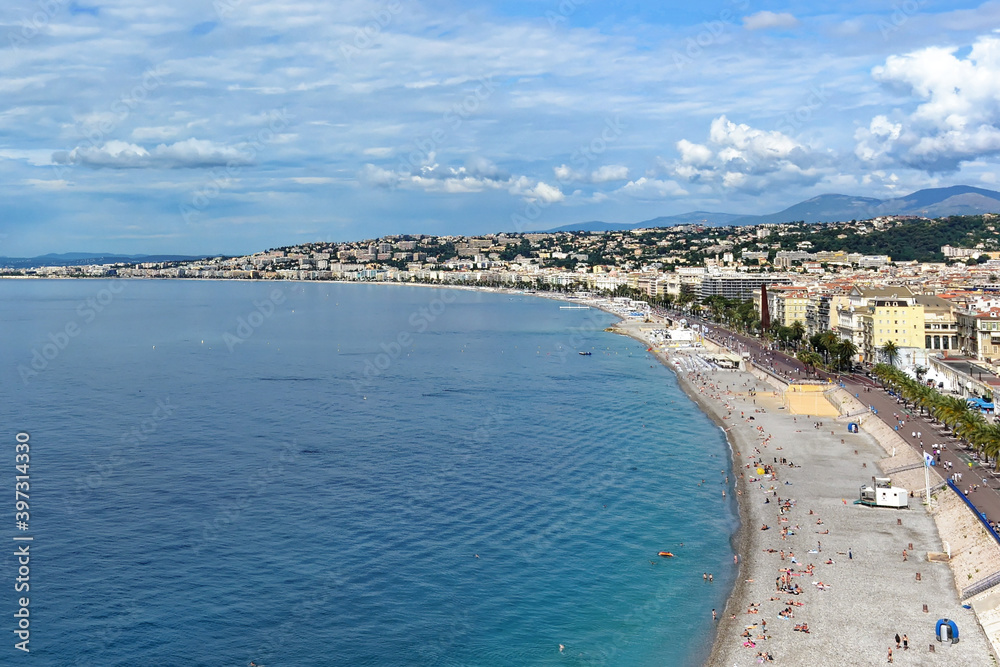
<point x="585" y="354"/>
<point x="666" y="554"/>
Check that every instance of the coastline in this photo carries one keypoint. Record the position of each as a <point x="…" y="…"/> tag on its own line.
<point x="869" y="592"/>
<point x="846" y="614"/>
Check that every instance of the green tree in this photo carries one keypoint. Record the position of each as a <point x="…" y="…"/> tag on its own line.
<point x="890" y="352"/>
<point x="844" y="353"/>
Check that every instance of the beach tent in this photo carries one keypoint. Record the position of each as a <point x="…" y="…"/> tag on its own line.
<point x="852" y="428"/>
<point x="947" y="629"/>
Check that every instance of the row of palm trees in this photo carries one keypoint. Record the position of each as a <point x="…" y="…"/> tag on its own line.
<point x="953" y="411"/>
<point x="825" y="349"/>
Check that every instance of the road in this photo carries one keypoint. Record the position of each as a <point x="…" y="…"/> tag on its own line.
<point x="986" y="497"/>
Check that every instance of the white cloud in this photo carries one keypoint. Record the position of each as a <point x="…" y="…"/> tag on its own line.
<point x="566" y="174"/>
<point x="609" y="172"/>
<point x="694" y="154"/>
<point x="652" y="188"/>
<point x="765" y="20"/>
<point x="161" y="133"/>
<point x="313" y="180"/>
<point x="957" y="117"/>
<point x="378" y="177"/>
<point x="47" y="184"/>
<point x="546" y="193"/>
<point x="740" y="157"/>
<point x="187" y="154"/>
<point x="478" y="174"/>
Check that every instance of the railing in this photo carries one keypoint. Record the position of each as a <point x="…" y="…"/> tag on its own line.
<point x="777" y="377"/>
<point x="979" y="515"/>
<point x="911" y="466"/>
<point x="980" y="586"/>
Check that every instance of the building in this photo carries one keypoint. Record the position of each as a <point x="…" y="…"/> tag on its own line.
<point x="940" y="324"/>
<point x="979" y="333"/>
<point x="742" y="286"/>
<point x="877" y="315"/>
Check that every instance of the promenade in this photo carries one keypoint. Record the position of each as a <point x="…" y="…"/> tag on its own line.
<point x="986" y="498"/>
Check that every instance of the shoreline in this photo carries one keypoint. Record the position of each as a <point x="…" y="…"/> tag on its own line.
<point x="868" y="593"/>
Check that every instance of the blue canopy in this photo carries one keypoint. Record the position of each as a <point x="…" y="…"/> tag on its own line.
<point x="980" y="403"/>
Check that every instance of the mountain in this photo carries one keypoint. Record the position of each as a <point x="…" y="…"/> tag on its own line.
<point x="592" y="226"/>
<point x="928" y="203"/>
<point x="939" y="202"/>
<point x="824" y="208"/>
<point x="692" y="218"/>
<point x="82" y="258"/>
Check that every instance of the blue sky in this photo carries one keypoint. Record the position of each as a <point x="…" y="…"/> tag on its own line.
<point x="228" y="126"/>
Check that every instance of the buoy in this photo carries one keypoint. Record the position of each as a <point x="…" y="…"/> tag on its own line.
<point x="666" y="554"/>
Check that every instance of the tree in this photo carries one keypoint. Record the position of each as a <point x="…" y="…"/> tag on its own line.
<point x="845" y="353"/>
<point x="798" y="330"/>
<point x="828" y="343"/>
<point x="810" y="359"/>
<point x="890" y="352"/>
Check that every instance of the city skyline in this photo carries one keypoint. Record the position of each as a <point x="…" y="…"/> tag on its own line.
<point x="231" y="126"/>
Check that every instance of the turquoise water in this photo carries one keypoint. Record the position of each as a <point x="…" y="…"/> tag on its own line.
<point x="305" y="474"/>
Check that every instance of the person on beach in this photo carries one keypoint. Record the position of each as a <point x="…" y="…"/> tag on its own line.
<point x="906" y="642"/>
<point x="897" y="640"/>
<point x="890" y="654"/>
<point x="715" y="616"/>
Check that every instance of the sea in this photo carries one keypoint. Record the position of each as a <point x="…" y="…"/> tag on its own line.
<point x="303" y="473"/>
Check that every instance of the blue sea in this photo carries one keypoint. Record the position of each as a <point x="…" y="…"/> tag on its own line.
<point x="335" y="474"/>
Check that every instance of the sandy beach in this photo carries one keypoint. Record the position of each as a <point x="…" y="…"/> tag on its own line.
<point x="855" y="590"/>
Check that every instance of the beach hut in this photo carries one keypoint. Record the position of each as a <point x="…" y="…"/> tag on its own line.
<point x="947" y="629"/>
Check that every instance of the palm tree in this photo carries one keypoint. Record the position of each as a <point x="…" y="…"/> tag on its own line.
<point x="845" y="352"/>
<point x="829" y="341"/>
<point x="890" y="351"/>
<point x="810" y="359"/>
<point x="798" y="330"/>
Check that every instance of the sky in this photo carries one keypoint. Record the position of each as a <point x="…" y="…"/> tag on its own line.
<point x="232" y="126"/>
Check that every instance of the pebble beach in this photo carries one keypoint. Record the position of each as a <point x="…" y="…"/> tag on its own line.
<point x="827" y="582"/>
